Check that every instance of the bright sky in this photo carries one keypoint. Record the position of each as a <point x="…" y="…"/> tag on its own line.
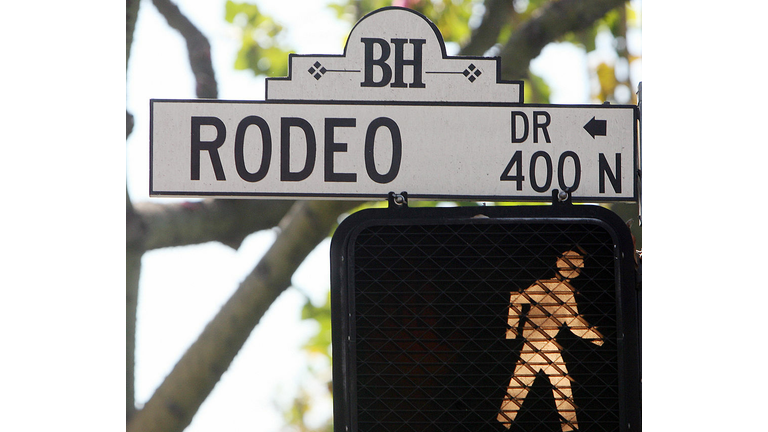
<point x="183" y="288"/>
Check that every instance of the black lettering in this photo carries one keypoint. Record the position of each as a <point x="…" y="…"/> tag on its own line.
<point x="212" y="147"/>
<point x="266" y="148"/>
<point x="286" y="123"/>
<point x="332" y="147"/>
<point x="576" y="174"/>
<point x="542" y="126"/>
<point x="515" y="138"/>
<point x="381" y="62"/>
<point x="400" y="62"/>
<point x="397" y="150"/>
<point x="517" y="160"/>
<point x="548" y="182"/>
<point x="605" y="170"/>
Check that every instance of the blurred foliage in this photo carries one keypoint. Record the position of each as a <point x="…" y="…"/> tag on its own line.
<point x="452" y="17"/>
<point x="261" y="50"/>
<point x="318" y="351"/>
<point x="613" y="78"/>
<point x="535" y="89"/>
<point x="264" y="53"/>
<point x="352" y="10"/>
<point x="320" y="343"/>
<point x="606" y="77"/>
<point x="296" y="415"/>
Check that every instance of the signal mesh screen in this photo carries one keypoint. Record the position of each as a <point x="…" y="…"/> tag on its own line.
<point x="448" y="323"/>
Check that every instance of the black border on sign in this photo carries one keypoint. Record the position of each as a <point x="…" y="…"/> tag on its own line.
<point x="440" y="39"/>
<point x="342" y="293"/>
<point x="544" y="196"/>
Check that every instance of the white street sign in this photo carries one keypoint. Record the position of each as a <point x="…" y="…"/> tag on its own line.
<point x="392" y="114"/>
<point x="220" y="148"/>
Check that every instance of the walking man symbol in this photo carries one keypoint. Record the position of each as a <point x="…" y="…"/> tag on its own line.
<point x="552" y="304"/>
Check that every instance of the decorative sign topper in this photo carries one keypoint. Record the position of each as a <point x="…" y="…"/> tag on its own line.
<point x="394" y="54"/>
<point x="393" y="113"/>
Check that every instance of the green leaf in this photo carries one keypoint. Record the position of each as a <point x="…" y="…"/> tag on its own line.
<point x="584" y="38"/>
<point x="606" y="76"/>
<point x="262" y="49"/>
<point x="613" y="20"/>
<point x="320" y="342"/>
<point x="535" y="89"/>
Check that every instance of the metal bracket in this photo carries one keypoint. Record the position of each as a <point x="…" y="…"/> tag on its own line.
<point x="398" y="200"/>
<point x="640" y="154"/>
<point x="561" y="197"/>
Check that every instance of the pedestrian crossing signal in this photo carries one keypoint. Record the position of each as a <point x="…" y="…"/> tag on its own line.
<point x="485" y="319"/>
<point x="552" y="306"/>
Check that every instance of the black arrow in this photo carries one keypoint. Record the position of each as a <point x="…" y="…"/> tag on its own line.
<point x="596" y="127"/>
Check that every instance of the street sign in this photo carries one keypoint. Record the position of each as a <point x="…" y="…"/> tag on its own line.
<point x="395" y="113"/>
<point x="495" y="318"/>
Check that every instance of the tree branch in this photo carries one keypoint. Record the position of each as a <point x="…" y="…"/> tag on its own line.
<point x="497" y="14"/>
<point x="137" y="227"/>
<point x="226" y="221"/>
<point x="132" y="260"/>
<point x="131" y="14"/>
<point x="551" y="23"/>
<point x="197" y="46"/>
<point x="134" y="249"/>
<point x="178" y="398"/>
